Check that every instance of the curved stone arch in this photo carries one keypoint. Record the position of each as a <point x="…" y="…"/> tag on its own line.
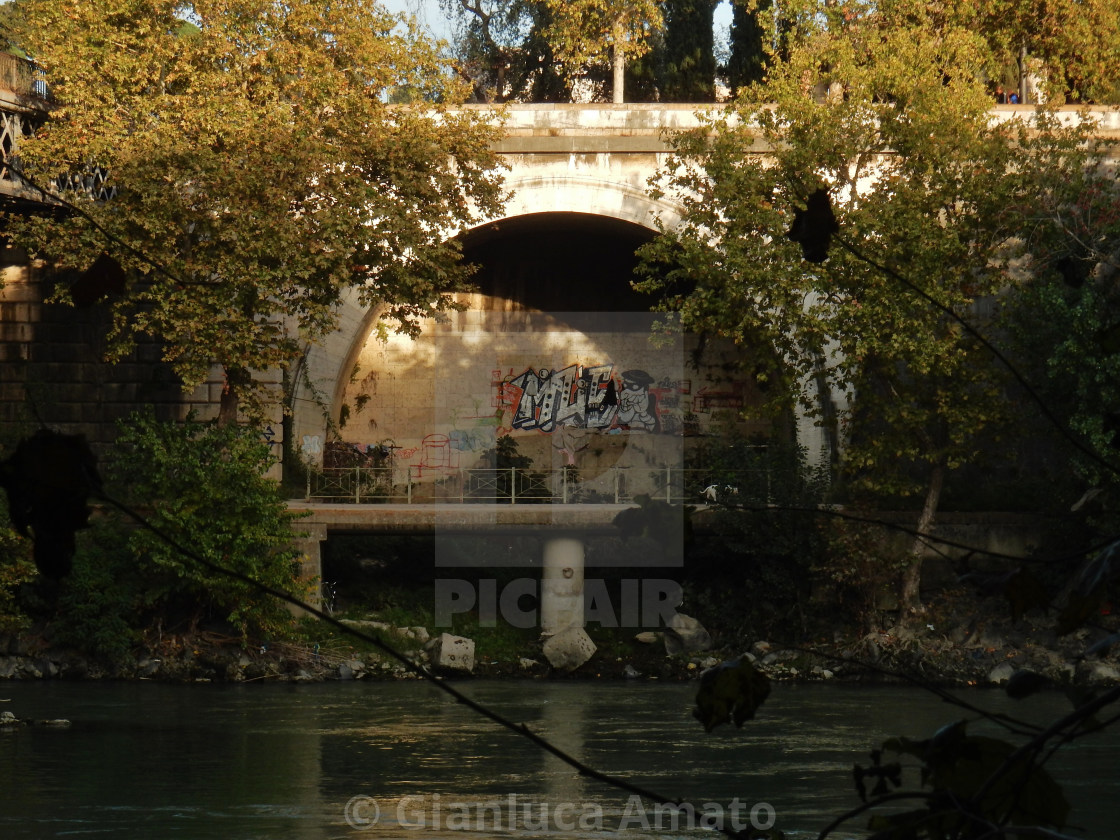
<point x="322" y="375"/>
<point x="534" y="194"/>
<point x="324" y="372"/>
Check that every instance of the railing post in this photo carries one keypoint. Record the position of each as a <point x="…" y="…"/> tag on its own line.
<point x="564" y="485"/>
<point x="668" y="485"/>
<point x="617" y="476"/>
<point x="408" y="484"/>
<point x="357" y="485"/>
<point x="308" y="496"/>
<point x="513" y="485"/>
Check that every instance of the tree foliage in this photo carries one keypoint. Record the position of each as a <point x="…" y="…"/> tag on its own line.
<point x="1064" y="322"/>
<point x="690" y="64"/>
<point x="1071" y="46"/>
<point x="752" y="28"/>
<point x="204" y="485"/>
<point x="260" y="171"/>
<point x="587" y="32"/>
<point x="891" y="123"/>
<point x="501" y="49"/>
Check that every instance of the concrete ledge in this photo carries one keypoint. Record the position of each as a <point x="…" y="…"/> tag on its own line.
<point x="457" y="518"/>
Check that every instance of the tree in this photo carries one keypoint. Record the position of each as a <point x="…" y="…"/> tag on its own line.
<point x="259" y="171"/>
<point x="887" y="126"/>
<point x="690" y="63"/>
<point x="501" y="50"/>
<point x="751" y="31"/>
<point x="583" y="31"/>
<point x="1071" y="47"/>
<point x="1065" y="321"/>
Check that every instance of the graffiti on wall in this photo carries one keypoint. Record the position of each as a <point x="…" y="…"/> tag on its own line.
<point x="590" y="397"/>
<point x="565" y="403"/>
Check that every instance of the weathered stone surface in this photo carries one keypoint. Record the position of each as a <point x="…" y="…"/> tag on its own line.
<point x="453" y="653"/>
<point x="569" y="649"/>
<point x="686" y="635"/>
<point x="1098" y="673"/>
<point x="1001" y="673"/>
<point x="367" y="624"/>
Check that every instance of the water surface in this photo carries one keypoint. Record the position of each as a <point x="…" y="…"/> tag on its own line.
<point x="319" y="761"/>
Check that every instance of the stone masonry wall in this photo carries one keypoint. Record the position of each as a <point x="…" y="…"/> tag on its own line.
<point x="52" y="367"/>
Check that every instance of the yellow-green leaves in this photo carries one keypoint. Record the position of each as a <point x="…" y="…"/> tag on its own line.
<point x="260" y="170"/>
<point x="589" y="31"/>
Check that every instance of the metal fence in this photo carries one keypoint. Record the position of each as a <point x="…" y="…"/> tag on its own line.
<point x="21" y="77"/>
<point x="372" y="485"/>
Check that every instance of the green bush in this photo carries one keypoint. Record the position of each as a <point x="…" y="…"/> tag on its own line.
<point x="16" y="569"/>
<point x="106" y="600"/>
<point x="205" y="486"/>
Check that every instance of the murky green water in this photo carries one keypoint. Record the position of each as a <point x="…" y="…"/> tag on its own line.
<point x="322" y="761"/>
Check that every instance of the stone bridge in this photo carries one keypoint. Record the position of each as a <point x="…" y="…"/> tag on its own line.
<point x="580" y="205"/>
<point x="551" y="351"/>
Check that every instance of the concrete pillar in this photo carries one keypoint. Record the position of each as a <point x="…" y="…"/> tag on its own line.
<point x="309" y="542"/>
<point x="562" y="585"/>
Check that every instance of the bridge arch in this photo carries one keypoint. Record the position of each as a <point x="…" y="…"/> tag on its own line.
<point x="578" y="170"/>
<point x="576" y="193"/>
<point x="544" y="260"/>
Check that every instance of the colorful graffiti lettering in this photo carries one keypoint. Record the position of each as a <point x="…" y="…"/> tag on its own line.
<point x="582" y="397"/>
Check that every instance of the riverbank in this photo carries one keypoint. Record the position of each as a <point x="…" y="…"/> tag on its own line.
<point x="955" y="644"/>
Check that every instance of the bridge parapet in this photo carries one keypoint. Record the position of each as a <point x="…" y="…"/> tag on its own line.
<point x="23" y="105"/>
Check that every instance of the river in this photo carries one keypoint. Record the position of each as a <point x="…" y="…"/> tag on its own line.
<point x="401" y="759"/>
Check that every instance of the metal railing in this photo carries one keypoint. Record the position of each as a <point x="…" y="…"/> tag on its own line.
<point x="21" y="77"/>
<point x="618" y="485"/>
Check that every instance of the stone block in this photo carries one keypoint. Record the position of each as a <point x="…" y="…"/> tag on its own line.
<point x="1001" y="673"/>
<point x="569" y="649"/>
<point x="686" y="635"/>
<point x="453" y="653"/>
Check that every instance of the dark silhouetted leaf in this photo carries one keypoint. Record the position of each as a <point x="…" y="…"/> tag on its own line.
<point x="1024" y="683"/>
<point x="731" y="692"/>
<point x="814" y="227"/>
<point x="49" y="479"/>
<point x="882" y="773"/>
<point x="961" y="765"/>
<point x="105" y="277"/>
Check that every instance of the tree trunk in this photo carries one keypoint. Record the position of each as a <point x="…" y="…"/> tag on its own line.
<point x="236" y="378"/>
<point x="618" y="57"/>
<point x="1024" y="79"/>
<point x="910" y="597"/>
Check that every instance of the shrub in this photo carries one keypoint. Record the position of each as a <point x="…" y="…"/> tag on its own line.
<point x="205" y="486"/>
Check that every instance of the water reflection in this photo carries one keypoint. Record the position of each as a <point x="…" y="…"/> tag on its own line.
<point x="283" y="761"/>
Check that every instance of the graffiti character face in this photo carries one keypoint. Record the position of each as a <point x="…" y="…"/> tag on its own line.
<point x="635" y="402"/>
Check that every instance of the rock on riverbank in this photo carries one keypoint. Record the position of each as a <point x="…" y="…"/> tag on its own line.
<point x="957" y="646"/>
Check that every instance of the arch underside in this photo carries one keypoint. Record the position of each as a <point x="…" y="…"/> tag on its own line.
<point x="554" y="310"/>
